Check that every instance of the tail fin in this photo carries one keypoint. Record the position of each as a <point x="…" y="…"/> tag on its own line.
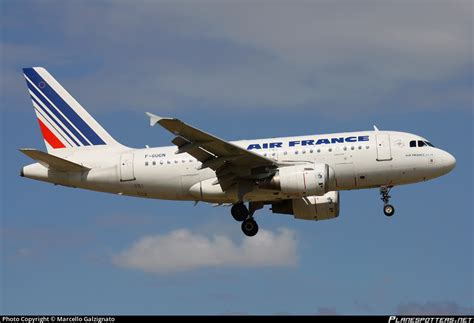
<point x="64" y="123"/>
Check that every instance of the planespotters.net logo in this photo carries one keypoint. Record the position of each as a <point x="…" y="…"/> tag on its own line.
<point x="447" y="319"/>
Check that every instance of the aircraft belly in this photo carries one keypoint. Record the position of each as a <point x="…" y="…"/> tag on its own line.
<point x="156" y="183"/>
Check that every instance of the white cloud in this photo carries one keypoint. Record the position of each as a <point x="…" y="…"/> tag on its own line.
<point x="183" y="250"/>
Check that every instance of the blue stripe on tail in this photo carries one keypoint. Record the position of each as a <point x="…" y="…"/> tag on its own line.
<point x="54" y="120"/>
<point x="61" y="119"/>
<point x="54" y="97"/>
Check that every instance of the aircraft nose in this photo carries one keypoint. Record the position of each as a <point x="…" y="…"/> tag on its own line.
<point x="449" y="162"/>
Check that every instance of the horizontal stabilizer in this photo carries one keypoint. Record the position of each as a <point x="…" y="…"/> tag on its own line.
<point x="53" y="162"/>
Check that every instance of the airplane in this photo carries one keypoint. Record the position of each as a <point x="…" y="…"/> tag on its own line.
<point x="300" y="176"/>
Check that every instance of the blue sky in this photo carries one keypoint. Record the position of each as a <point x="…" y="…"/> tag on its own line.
<point x="241" y="70"/>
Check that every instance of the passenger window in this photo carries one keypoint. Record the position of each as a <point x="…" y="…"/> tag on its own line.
<point x="413" y="143"/>
<point x="421" y="143"/>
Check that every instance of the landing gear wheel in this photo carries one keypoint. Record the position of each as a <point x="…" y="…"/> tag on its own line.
<point x="388" y="209"/>
<point x="250" y="227"/>
<point x="239" y="212"/>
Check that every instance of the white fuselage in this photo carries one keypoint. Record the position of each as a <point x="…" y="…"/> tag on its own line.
<point x="359" y="159"/>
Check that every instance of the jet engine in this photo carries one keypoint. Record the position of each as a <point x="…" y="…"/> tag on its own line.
<point x="311" y="207"/>
<point x="302" y="180"/>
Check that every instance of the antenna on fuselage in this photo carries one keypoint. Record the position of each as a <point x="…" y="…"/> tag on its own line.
<point x="375" y="128"/>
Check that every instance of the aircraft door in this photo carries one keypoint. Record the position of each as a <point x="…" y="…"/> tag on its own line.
<point x="126" y="167"/>
<point x="384" y="151"/>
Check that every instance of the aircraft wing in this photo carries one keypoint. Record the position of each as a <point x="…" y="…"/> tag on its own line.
<point x="231" y="162"/>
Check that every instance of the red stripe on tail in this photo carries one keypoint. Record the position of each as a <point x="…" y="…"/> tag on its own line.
<point x="50" y="138"/>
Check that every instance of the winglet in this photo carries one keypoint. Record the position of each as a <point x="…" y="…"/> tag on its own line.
<point x="375" y="128"/>
<point x="153" y="118"/>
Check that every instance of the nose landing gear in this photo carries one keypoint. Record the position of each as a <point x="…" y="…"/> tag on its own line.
<point x="388" y="209"/>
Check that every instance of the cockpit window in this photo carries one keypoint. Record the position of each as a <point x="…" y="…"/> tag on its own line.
<point x="421" y="143"/>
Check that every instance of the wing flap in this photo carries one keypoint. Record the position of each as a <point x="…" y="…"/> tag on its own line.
<point x="52" y="161"/>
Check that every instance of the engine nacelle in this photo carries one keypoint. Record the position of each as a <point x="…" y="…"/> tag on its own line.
<point x="310" y="207"/>
<point x="302" y="180"/>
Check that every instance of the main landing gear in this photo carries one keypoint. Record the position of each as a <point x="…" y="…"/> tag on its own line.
<point x="249" y="227"/>
<point x="388" y="209"/>
<point x="240" y="213"/>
